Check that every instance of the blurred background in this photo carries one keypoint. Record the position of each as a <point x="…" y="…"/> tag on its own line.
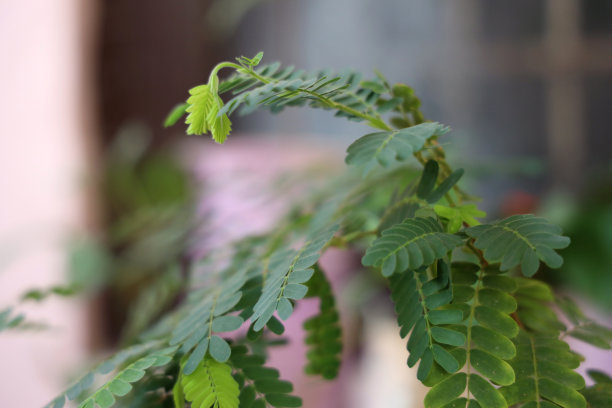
<point x="86" y="167"/>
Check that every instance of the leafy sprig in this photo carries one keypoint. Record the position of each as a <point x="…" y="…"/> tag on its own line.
<point x="482" y="335"/>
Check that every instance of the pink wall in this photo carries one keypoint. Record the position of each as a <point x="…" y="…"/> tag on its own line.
<point x="46" y="124"/>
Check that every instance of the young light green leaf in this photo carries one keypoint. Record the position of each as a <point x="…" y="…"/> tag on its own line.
<point x="200" y="104"/>
<point x="203" y="107"/>
<point x="211" y="384"/>
<point x="458" y="215"/>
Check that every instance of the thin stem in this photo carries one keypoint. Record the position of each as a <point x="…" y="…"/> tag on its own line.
<point x="374" y="121"/>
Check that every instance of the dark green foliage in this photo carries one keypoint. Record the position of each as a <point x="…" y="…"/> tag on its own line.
<point x="485" y="305"/>
<point x="425" y="189"/>
<point x="599" y="395"/>
<point x="534" y="299"/>
<point x="545" y="372"/>
<point x="260" y="386"/>
<point x="323" y="331"/>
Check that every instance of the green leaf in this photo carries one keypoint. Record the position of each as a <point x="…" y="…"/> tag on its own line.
<point x="383" y="148"/>
<point x="485" y="393"/>
<point x="496" y="321"/>
<point x="446" y="391"/>
<point x="200" y="104"/>
<point x="428" y="179"/>
<point x="196" y="356"/>
<point x="220" y="125"/>
<point x="599" y="395"/>
<point x="458" y="215"/>
<point x="448" y="336"/>
<point x="445" y="316"/>
<point x="275" y="325"/>
<point x="105" y="399"/>
<point x="204" y="112"/>
<point x="323" y="331"/>
<point x="131" y="374"/>
<point x="211" y="384"/>
<point x="520" y="239"/>
<point x="373" y="86"/>
<point x="500" y="282"/>
<point x="492" y="367"/>
<point x="226" y="323"/>
<point x="543" y="373"/>
<point x="496" y="299"/>
<point x="295" y="291"/>
<point x="410" y="245"/>
<point x="120" y="385"/>
<point x="590" y="337"/>
<point x="445" y="186"/>
<point x="106" y="367"/>
<point x="493" y="342"/>
<point x="178" y="397"/>
<point x="264" y="382"/>
<point x="257" y="58"/>
<point x="175" y="114"/>
<point x="599" y="376"/>
<point x="219" y="349"/>
<point x="282" y="264"/>
<point x="301" y="276"/>
<point x="446" y="360"/>
<point x="585" y="329"/>
<point x="412" y="294"/>
<point x="283" y="400"/>
<point x="284" y="308"/>
<point x="247" y="396"/>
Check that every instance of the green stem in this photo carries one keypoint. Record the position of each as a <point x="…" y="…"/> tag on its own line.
<point x="469" y="330"/>
<point x="374" y="121"/>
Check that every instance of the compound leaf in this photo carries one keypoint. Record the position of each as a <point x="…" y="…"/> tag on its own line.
<point x="283" y="263"/>
<point x="384" y="148"/>
<point x="410" y="245"/>
<point x="520" y="239"/>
